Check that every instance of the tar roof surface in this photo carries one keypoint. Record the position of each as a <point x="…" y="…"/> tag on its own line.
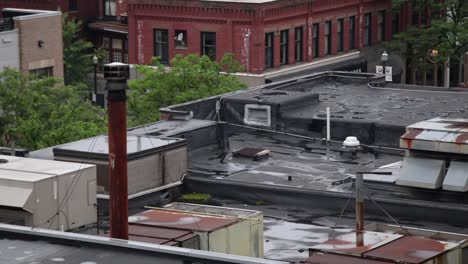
<point x="356" y="100"/>
<point x="305" y="161"/>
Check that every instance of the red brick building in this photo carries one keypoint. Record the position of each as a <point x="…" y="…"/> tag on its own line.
<point x="104" y="20"/>
<point x="262" y="34"/>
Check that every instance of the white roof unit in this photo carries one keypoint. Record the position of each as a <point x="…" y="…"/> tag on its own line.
<point x="422" y="173"/>
<point x="457" y="177"/>
<point x="53" y="193"/>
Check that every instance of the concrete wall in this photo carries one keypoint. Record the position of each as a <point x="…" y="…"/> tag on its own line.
<point x="9" y="49"/>
<point x="45" y="28"/>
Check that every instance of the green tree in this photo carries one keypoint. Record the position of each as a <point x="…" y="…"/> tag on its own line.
<point x="43" y="113"/>
<point x="77" y="59"/>
<point x="446" y="34"/>
<point x="188" y="78"/>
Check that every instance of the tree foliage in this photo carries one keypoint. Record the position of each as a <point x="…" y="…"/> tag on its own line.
<point x="447" y="32"/>
<point x="77" y="59"/>
<point x="43" y="113"/>
<point x="189" y="78"/>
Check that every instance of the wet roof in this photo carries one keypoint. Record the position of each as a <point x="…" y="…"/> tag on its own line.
<point x="353" y="99"/>
<point x="411" y="249"/>
<point x="340" y="259"/>
<point x="170" y="128"/>
<point x="306" y="161"/>
<point x="98" y="147"/>
<point x="181" y="220"/>
<point x="20" y="245"/>
<point x="346" y="244"/>
<point x="32" y="170"/>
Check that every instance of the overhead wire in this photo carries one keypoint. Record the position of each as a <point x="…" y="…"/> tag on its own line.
<point x="76" y="177"/>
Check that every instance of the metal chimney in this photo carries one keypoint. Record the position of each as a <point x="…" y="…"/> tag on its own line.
<point x="116" y="75"/>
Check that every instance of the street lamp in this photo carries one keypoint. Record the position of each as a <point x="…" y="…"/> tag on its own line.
<point x="387" y="71"/>
<point x="95" y="63"/>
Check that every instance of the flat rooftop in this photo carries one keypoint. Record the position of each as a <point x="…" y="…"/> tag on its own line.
<point x="26" y="245"/>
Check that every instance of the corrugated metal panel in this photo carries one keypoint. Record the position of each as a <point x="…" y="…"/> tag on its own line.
<point x="422" y="173"/>
<point x="184" y="221"/>
<point x="457" y="177"/>
<point x="346" y="244"/>
<point x="156" y="232"/>
<point x="340" y="259"/>
<point x="411" y="249"/>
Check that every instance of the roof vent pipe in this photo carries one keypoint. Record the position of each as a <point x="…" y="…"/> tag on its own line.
<point x="116" y="75"/>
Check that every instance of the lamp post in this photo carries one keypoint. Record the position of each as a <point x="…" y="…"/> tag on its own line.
<point x="384" y="59"/>
<point x="432" y="59"/>
<point x="384" y="69"/>
<point x="95" y="62"/>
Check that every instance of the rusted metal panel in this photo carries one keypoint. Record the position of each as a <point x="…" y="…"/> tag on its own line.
<point x="157" y="232"/>
<point x="346" y="244"/>
<point x="340" y="259"/>
<point x="153" y="240"/>
<point x="411" y="249"/>
<point x="443" y="135"/>
<point x="182" y="221"/>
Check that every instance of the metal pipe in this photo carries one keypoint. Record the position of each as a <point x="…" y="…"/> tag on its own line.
<point x="118" y="180"/>
<point x="359" y="210"/>
<point x="328" y="124"/>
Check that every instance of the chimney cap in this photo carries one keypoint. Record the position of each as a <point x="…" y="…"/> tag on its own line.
<point x="116" y="71"/>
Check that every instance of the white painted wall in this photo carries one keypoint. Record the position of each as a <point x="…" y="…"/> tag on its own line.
<point x="9" y="49"/>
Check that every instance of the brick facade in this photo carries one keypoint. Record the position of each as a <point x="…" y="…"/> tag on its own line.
<point x="241" y="27"/>
<point x="46" y="30"/>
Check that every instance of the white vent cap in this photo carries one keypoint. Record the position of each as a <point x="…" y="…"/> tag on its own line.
<point x="351" y="142"/>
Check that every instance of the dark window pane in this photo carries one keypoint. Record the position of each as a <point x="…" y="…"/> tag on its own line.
<point x="315" y="36"/>
<point x="352" y="32"/>
<point x="269" y="56"/>
<point x="208" y="44"/>
<point x="367" y="29"/>
<point x="298" y="44"/>
<point x="340" y="34"/>
<point x="328" y="37"/>
<point x="161" y="45"/>
<point x="284" y="47"/>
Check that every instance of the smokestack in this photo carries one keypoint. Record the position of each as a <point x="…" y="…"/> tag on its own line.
<point x="116" y="75"/>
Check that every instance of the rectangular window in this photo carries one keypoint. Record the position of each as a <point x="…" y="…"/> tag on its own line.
<point x="367" y="29"/>
<point x="110" y="8"/>
<point x="284" y="47"/>
<point x="72" y="5"/>
<point x="327" y="37"/>
<point x="381" y="28"/>
<point x="208" y="44"/>
<point x="339" y="31"/>
<point x="161" y="45"/>
<point x="180" y="39"/>
<point x="395" y="23"/>
<point x="298" y="44"/>
<point x="415" y="16"/>
<point x="315" y="40"/>
<point x="269" y="50"/>
<point x="41" y="73"/>
<point x="352" y="32"/>
<point x="115" y="50"/>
